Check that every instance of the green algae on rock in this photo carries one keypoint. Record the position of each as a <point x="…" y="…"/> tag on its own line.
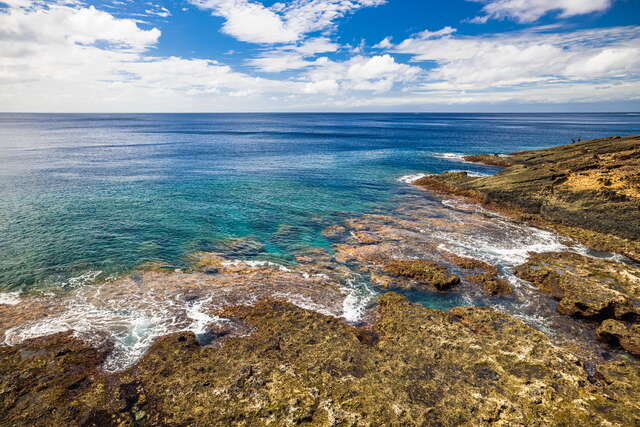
<point x="592" y="186"/>
<point x="586" y="287"/>
<point x="413" y="366"/>
<point x="423" y="272"/>
<point x="616" y="332"/>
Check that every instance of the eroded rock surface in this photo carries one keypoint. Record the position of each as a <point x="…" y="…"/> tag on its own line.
<point x="586" y="287"/>
<point x="594" y="289"/>
<point x="616" y="332"/>
<point x="588" y="190"/>
<point x="414" y="366"/>
<point x="423" y="272"/>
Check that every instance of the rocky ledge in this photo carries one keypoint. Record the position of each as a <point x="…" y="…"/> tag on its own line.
<point x="413" y="366"/>
<point x="588" y="190"/>
<point x="594" y="289"/>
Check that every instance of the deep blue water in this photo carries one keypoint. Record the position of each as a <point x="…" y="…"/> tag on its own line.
<point x="82" y="193"/>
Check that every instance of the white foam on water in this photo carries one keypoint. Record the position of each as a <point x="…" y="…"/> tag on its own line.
<point x="131" y="329"/>
<point x="255" y="264"/>
<point x="201" y="319"/>
<point x="472" y="173"/>
<point x="508" y="246"/>
<point x="83" y="279"/>
<point x="457" y="157"/>
<point x="9" y="298"/>
<point x="359" y="297"/>
<point x="304" y="302"/>
<point x="410" y="179"/>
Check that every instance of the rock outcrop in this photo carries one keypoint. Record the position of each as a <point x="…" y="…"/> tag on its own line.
<point x="414" y="366"/>
<point x="616" y="332"/>
<point x="588" y="190"/>
<point x="586" y="287"/>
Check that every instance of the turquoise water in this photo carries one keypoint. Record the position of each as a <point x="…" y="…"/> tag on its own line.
<point x="81" y="194"/>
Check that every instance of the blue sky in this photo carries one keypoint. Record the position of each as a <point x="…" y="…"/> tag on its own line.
<point x="319" y="55"/>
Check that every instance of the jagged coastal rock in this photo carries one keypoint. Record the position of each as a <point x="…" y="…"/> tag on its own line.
<point x="589" y="190"/>
<point x="413" y="366"/>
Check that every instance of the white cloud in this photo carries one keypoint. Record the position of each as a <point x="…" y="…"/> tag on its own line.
<point x="384" y="43"/>
<point x="70" y="57"/>
<point x="292" y="57"/>
<point x="502" y="60"/>
<point x="426" y="34"/>
<point x="68" y="25"/>
<point x="160" y="11"/>
<point x="280" y="61"/>
<point x="252" y="22"/>
<point x="532" y="10"/>
<point x="316" y="45"/>
<point x="376" y="73"/>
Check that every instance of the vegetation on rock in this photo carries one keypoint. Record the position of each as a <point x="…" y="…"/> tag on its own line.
<point x="591" y="185"/>
<point x="415" y="366"/>
<point x="424" y="272"/>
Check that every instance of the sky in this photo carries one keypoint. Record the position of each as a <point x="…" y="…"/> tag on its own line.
<point x="319" y="55"/>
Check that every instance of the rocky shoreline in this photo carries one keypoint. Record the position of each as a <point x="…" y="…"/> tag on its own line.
<point x="277" y="346"/>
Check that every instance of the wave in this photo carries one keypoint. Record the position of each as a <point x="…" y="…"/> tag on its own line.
<point x="130" y="313"/>
<point x="456" y="157"/>
<point x="9" y="298"/>
<point x="472" y="173"/>
<point x="410" y="179"/>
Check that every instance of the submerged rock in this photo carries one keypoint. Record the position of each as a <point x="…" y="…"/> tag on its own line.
<point x="414" y="366"/>
<point x="423" y="272"/>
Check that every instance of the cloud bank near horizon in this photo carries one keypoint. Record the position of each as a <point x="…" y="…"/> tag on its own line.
<point x="70" y="55"/>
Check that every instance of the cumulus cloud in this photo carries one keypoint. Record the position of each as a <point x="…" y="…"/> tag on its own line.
<point x="532" y="10"/>
<point x="58" y="24"/>
<point x="293" y="57"/>
<point x="502" y="60"/>
<point x="384" y="43"/>
<point x="252" y="22"/>
<point x="377" y="73"/>
<point x="56" y="57"/>
<point x="66" y="56"/>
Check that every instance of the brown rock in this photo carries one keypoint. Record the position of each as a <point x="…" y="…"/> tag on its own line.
<point x="588" y="190"/>
<point x="586" y="287"/>
<point x="414" y="366"/>
<point x="423" y="272"/>
<point x="616" y="332"/>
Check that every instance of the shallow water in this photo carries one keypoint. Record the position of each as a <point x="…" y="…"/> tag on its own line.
<point x="87" y="198"/>
<point x="83" y="197"/>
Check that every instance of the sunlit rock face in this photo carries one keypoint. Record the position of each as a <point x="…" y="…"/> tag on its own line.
<point x="413" y="366"/>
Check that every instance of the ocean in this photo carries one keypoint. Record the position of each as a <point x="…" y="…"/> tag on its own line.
<point x="84" y="197"/>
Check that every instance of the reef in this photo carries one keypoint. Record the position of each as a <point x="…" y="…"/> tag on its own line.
<point x="412" y="366"/>
<point x="487" y="275"/>
<point x="423" y="272"/>
<point x="588" y="190"/>
<point x="594" y="289"/>
<point x="586" y="287"/>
